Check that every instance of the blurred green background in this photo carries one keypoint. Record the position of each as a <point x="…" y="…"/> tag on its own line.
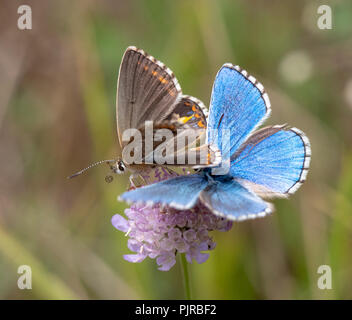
<point x="57" y="115"/>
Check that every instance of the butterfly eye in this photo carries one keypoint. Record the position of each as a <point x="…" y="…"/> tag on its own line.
<point x="121" y="166"/>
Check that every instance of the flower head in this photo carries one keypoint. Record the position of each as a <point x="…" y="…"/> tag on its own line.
<point x="161" y="232"/>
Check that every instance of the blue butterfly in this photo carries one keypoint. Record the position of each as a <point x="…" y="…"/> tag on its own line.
<point x="271" y="162"/>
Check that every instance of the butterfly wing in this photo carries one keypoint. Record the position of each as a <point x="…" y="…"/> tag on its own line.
<point x="180" y="193"/>
<point x="274" y="161"/>
<point x="238" y="104"/>
<point x="231" y="200"/>
<point x="148" y="91"/>
<point x="188" y="148"/>
<point x="189" y="112"/>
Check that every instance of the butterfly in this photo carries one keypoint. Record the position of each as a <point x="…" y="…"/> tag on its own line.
<point x="270" y="162"/>
<point x="148" y="92"/>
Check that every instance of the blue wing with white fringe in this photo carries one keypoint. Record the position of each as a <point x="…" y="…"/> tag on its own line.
<point x="223" y="195"/>
<point x="230" y="199"/>
<point x="274" y="161"/>
<point x="238" y="104"/>
<point x="181" y="192"/>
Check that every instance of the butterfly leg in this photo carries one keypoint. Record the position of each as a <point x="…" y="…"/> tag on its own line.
<point x="144" y="180"/>
<point x="132" y="185"/>
<point x="163" y="208"/>
<point x="169" y="172"/>
<point x="135" y="177"/>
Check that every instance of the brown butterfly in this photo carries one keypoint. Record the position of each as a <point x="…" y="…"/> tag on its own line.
<point x="149" y="93"/>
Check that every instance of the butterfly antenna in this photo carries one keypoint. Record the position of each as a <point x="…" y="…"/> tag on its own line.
<point x="92" y="165"/>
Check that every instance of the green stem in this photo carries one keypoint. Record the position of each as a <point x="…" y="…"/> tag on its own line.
<point x="186" y="277"/>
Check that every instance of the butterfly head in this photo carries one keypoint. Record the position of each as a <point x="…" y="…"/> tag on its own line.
<point x="118" y="167"/>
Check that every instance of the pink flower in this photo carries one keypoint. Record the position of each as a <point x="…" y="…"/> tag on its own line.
<point x="161" y="234"/>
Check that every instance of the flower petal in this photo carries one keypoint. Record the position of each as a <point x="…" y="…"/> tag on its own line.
<point x="120" y="223"/>
<point x="166" y="261"/>
<point x="134" y="245"/>
<point x="135" y="258"/>
<point x="201" y="257"/>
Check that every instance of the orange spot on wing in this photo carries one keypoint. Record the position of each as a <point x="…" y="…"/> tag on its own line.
<point x="154" y="73"/>
<point x="163" y="80"/>
<point x="208" y="158"/>
<point x="194" y="109"/>
<point x="200" y="124"/>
